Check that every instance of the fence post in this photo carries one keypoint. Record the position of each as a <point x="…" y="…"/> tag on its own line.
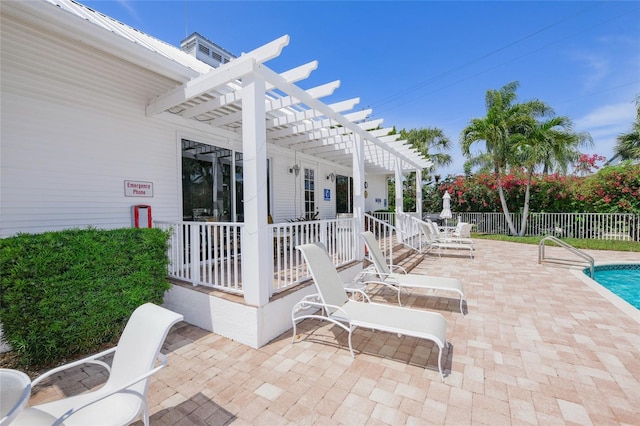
<point x="194" y="236"/>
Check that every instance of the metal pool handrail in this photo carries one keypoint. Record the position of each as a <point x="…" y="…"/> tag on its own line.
<point x="572" y="249"/>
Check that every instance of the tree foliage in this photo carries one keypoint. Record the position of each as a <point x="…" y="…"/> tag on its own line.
<point x="515" y="136"/>
<point x="430" y="142"/>
<point x="434" y="145"/>
<point x="628" y="144"/>
<point x="613" y="189"/>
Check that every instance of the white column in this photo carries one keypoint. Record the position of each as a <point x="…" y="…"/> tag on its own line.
<point x="399" y="192"/>
<point x="419" y="193"/>
<point x="358" y="191"/>
<point x="256" y="252"/>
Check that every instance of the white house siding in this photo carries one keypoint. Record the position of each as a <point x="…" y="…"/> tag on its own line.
<point x="288" y="190"/>
<point x="376" y="190"/>
<point x="73" y="130"/>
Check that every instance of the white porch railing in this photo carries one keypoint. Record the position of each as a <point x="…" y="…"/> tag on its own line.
<point x="206" y="253"/>
<point x="338" y="235"/>
<point x="209" y="253"/>
<point x="599" y="226"/>
<point x="387" y="217"/>
<point x="384" y="232"/>
<point x="409" y="231"/>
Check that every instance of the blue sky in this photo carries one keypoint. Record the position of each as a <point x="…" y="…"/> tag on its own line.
<point x="429" y="63"/>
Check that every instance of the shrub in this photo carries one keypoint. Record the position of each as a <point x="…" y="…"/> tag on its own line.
<point x="613" y="189"/>
<point x="67" y="293"/>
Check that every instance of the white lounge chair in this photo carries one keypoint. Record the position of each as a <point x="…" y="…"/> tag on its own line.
<point x="335" y="306"/>
<point x="124" y="396"/>
<point x="433" y="242"/>
<point x="401" y="280"/>
<point x="15" y="388"/>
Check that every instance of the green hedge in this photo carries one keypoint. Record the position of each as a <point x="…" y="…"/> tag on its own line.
<point x="69" y="292"/>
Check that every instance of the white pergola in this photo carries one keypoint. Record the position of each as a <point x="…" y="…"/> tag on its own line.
<point x="294" y="118"/>
<point x="249" y="101"/>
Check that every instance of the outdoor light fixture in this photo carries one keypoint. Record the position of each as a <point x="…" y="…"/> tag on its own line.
<point x="331" y="176"/>
<point x="294" y="169"/>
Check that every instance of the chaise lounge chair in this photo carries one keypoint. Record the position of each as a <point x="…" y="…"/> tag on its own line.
<point x="335" y="306"/>
<point x="433" y="242"/>
<point x="123" y="398"/>
<point x="401" y="280"/>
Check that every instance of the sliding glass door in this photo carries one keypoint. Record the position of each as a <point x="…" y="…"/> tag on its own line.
<point x="212" y="183"/>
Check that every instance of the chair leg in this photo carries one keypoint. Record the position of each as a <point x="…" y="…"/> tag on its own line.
<point x="350" y="345"/>
<point x="440" y="362"/>
<point x="145" y="413"/>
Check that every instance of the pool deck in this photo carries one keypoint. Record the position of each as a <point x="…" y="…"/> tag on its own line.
<point x="537" y="346"/>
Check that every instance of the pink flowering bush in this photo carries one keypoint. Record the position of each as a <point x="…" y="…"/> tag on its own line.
<point x="587" y="164"/>
<point x="613" y="189"/>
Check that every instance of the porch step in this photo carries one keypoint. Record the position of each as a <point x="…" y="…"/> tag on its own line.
<point x="406" y="257"/>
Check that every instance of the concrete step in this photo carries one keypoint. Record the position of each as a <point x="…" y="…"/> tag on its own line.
<point x="403" y="256"/>
<point x="406" y="257"/>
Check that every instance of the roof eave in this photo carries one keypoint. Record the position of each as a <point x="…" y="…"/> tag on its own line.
<point x="53" y="18"/>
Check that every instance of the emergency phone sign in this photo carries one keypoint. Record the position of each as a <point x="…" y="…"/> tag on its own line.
<point x="135" y="188"/>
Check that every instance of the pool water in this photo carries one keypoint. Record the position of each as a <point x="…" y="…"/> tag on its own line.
<point x="622" y="280"/>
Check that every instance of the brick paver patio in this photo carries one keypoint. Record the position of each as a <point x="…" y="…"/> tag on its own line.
<point x="537" y="346"/>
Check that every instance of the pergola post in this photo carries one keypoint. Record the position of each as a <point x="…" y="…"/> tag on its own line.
<point x="358" y="191"/>
<point x="256" y="253"/>
<point x="419" y="193"/>
<point x="399" y="191"/>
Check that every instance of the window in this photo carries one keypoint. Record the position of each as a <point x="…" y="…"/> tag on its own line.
<point x="344" y="194"/>
<point x="213" y="183"/>
<point x="309" y="194"/>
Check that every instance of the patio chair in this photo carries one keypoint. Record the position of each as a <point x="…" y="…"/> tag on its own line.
<point x="460" y="235"/>
<point x="331" y="303"/>
<point x="15" y="388"/>
<point x="463" y="230"/>
<point x="123" y="398"/>
<point x="432" y="242"/>
<point x="402" y="280"/>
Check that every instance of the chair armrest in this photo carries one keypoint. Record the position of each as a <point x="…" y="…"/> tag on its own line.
<point x="307" y="302"/>
<point x="324" y="306"/>
<point x="393" y="285"/>
<point x="358" y="291"/>
<point x="398" y="267"/>
<point x="121" y="389"/>
<point x="360" y="276"/>
<point x="93" y="359"/>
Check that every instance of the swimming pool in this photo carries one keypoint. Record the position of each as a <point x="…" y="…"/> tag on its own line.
<point x="621" y="279"/>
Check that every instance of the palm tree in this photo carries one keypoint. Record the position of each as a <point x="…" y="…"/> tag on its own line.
<point x="551" y="144"/>
<point x="433" y="144"/>
<point x="430" y="142"/>
<point x="628" y="145"/>
<point x="499" y="131"/>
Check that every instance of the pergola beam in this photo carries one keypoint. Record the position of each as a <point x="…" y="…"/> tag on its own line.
<point x="293" y="75"/>
<point x="226" y="73"/>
